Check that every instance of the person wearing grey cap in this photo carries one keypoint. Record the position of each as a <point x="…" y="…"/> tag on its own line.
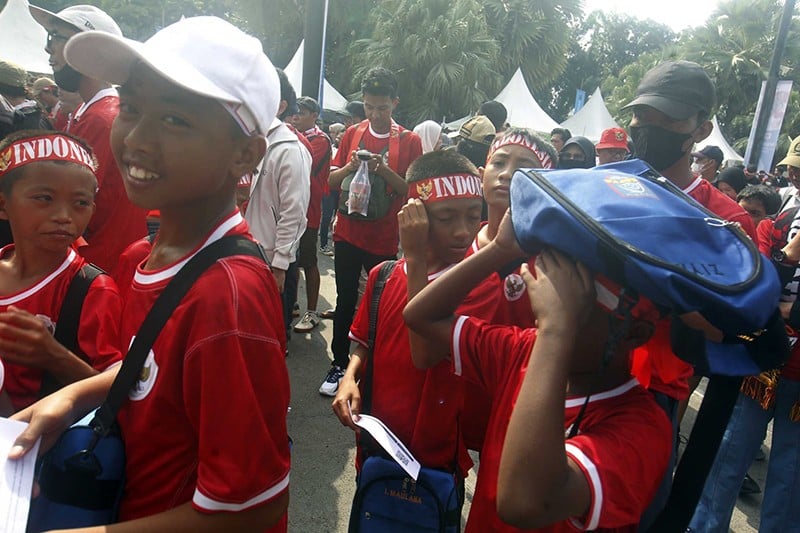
<point x="116" y="222"/>
<point x="671" y="112"/>
<point x="707" y="162"/>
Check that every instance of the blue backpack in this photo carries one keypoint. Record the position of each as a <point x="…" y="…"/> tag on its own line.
<point x="634" y="226"/>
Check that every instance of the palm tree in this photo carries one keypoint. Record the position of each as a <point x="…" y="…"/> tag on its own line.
<point x="441" y="51"/>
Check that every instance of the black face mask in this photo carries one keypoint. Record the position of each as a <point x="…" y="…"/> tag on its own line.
<point x="571" y="163"/>
<point x="659" y="147"/>
<point x="68" y="79"/>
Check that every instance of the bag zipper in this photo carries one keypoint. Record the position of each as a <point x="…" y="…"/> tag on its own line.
<point x="623" y="248"/>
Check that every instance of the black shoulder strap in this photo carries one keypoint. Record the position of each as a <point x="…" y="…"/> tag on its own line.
<point x="69" y="318"/>
<point x="366" y="390"/>
<point x="159" y="314"/>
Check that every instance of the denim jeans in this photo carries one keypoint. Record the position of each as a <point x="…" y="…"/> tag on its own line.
<point x="330" y="203"/>
<point x="348" y="262"/>
<point x="780" y="506"/>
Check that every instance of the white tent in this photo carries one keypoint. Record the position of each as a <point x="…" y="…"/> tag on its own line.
<point x="331" y="98"/>
<point x="522" y="107"/>
<point x="523" y="110"/>
<point x="22" y="39"/>
<point x="591" y="119"/>
<point x="718" y="139"/>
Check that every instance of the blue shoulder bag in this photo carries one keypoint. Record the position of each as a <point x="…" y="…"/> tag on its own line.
<point x="629" y="223"/>
<point x="82" y="477"/>
<point x="387" y="499"/>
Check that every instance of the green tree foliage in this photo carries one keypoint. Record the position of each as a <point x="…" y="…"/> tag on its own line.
<point x="735" y="47"/>
<point x="441" y="51"/>
<point x="602" y="44"/>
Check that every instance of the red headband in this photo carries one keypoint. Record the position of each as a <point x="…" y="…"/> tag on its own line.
<point x="50" y="147"/>
<point x="446" y="188"/>
<point x="521" y="140"/>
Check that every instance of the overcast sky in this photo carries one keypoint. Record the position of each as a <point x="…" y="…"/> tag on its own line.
<point x="677" y="14"/>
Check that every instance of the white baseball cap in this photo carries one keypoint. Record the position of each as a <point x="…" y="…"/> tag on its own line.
<point x="204" y="55"/>
<point x="82" y="18"/>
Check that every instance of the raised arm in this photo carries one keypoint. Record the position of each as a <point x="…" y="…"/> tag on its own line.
<point x="537" y="484"/>
<point x="430" y="313"/>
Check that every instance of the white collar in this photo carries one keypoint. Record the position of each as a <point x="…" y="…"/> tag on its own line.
<point x="692" y="186"/>
<point x="102" y="93"/>
<point x="380" y="135"/>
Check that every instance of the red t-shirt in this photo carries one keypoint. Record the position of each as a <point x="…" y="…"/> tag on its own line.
<point x="378" y="237"/>
<point x="497" y="300"/>
<point x="206" y="423"/>
<point x="320" y="148"/>
<point x="116" y="221"/>
<point x="420" y="406"/>
<point x="98" y="327"/>
<point x="773" y="236"/>
<point x="622" y="447"/>
<point x="656" y="366"/>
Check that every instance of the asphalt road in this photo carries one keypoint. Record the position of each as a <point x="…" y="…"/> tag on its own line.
<point x="323" y="480"/>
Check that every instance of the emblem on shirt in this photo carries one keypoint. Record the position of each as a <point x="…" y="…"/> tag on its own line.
<point x="514" y="287"/>
<point x="147" y="378"/>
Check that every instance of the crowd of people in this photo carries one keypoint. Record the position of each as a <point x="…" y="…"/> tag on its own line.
<point x="135" y="156"/>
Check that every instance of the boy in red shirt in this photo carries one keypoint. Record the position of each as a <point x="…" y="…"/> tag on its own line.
<point x="421" y="407"/>
<point x="205" y="429"/>
<point x="116" y="222"/>
<point x="361" y="243"/>
<point x="616" y="450"/>
<point x="47" y="188"/>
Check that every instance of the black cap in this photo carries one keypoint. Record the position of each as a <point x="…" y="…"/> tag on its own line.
<point x="711" y="152"/>
<point x="679" y="89"/>
<point x="308" y="103"/>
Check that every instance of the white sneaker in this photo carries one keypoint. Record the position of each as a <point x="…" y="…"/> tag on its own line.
<point x="309" y="321"/>
<point x="330" y="386"/>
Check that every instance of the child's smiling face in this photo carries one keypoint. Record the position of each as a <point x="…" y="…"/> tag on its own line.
<point x="174" y="147"/>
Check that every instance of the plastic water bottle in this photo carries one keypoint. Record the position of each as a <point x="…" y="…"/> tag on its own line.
<point x="360" y="188"/>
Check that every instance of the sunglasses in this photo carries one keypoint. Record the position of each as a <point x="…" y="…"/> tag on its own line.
<point x="55" y="36"/>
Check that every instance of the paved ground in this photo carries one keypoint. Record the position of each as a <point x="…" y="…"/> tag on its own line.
<point x="322" y="472"/>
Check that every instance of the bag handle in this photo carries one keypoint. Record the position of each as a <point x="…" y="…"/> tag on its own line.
<point x="383" y="274"/>
<point x="157" y="317"/>
<point x="69" y="318"/>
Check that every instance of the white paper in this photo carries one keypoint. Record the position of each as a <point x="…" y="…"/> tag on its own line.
<point x="17" y="479"/>
<point x="389" y="442"/>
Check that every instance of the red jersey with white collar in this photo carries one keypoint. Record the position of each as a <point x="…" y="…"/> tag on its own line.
<point x="116" y="221"/>
<point x="378" y="237"/>
<point x="98" y="328"/>
<point x="654" y="364"/>
<point x="320" y="147"/>
<point x="622" y="446"/>
<point x="420" y="406"/>
<point x="206" y="422"/>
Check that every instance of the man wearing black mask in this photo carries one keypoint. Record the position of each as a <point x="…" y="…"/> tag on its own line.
<point x="671" y="113"/>
<point x="116" y="222"/>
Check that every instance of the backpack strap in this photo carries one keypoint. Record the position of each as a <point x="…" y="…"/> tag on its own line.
<point x="69" y="317"/>
<point x="385" y="271"/>
<point x="157" y="317"/>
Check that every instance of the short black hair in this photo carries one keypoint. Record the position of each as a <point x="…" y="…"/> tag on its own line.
<point x="532" y="137"/>
<point x="769" y="197"/>
<point x="495" y="112"/>
<point x="356" y="109"/>
<point x="10" y="178"/>
<point x="439" y="163"/>
<point x="379" y="81"/>
<point x="564" y="132"/>
<point x="287" y="94"/>
<point x="474" y="151"/>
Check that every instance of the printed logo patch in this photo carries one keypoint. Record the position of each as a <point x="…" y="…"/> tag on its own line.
<point x="147" y="378"/>
<point x="514" y="287"/>
<point x="628" y="187"/>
